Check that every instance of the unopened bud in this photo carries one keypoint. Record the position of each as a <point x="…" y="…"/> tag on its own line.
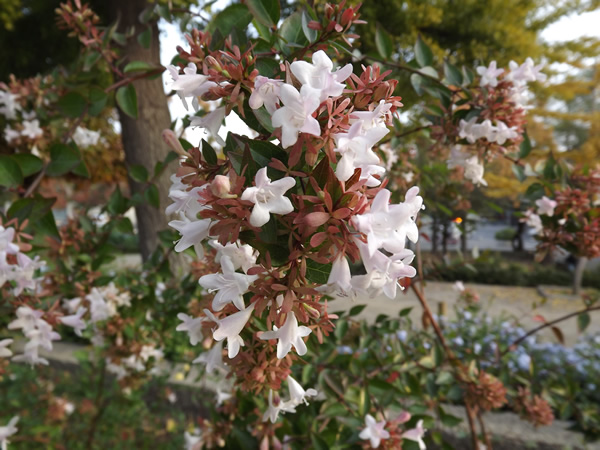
<point x="172" y="141"/>
<point x="221" y="186"/>
<point x="312" y="311"/>
<point x="211" y="61"/>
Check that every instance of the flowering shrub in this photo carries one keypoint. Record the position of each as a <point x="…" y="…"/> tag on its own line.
<point x="279" y="224"/>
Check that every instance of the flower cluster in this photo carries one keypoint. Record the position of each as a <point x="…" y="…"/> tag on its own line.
<point x="275" y="220"/>
<point x="377" y="434"/>
<point x="38" y="332"/>
<point x="17" y="270"/>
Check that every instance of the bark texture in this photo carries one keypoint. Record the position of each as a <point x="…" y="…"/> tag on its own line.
<point x="142" y="137"/>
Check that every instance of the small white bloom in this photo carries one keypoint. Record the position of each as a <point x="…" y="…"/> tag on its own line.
<point x="295" y="116"/>
<point x="265" y="92"/>
<point x="374" y="431"/>
<point x="7" y="431"/>
<point x="338" y="284"/>
<point x="231" y="286"/>
<point x="213" y="359"/>
<point x="242" y="256"/>
<point x="230" y="328"/>
<point x="74" y="321"/>
<point x="459" y="286"/>
<point x="290" y="334"/>
<point x="192" y="234"/>
<point x="489" y="74"/>
<point x="416" y="434"/>
<point x="4" y="350"/>
<point x="190" y="84"/>
<point x="297" y="393"/>
<point x="193" y="441"/>
<point x="192" y="325"/>
<point x="268" y="197"/>
<point x="9" y="104"/>
<point x="85" y="138"/>
<point x="546" y="206"/>
<point x="31" y="129"/>
<point x="318" y="75"/>
<point x="212" y="123"/>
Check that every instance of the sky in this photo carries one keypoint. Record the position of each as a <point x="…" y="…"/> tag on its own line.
<point x="568" y="28"/>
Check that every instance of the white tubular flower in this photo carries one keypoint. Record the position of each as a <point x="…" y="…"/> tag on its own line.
<point x="192" y="234"/>
<point x="4" y="350"/>
<point x="85" y="138"/>
<point x="526" y="72"/>
<point x="338" y="284"/>
<point x="474" y="171"/>
<point x="546" y="206"/>
<point x="27" y="319"/>
<point x="231" y="286"/>
<point x="99" y="308"/>
<point x="192" y="325"/>
<point x="190" y="83"/>
<point x="213" y="359"/>
<point x="265" y="92"/>
<point x="10" y="134"/>
<point x="416" y="434"/>
<point x="74" y="321"/>
<point x="268" y="197"/>
<point x="318" y="75"/>
<point x="355" y="146"/>
<point x="211" y="123"/>
<point x="534" y="221"/>
<point x="242" y="256"/>
<point x="297" y="393"/>
<point x="9" y="105"/>
<point x="7" y="236"/>
<point x="290" y="334"/>
<point x="193" y="441"/>
<point x="489" y="74"/>
<point x="186" y="203"/>
<point x="272" y="412"/>
<point x="230" y="328"/>
<point x="374" y="431"/>
<point x="375" y="118"/>
<point x="7" y="431"/>
<point x="501" y="133"/>
<point x="469" y="130"/>
<point x="31" y="129"/>
<point x="295" y="116"/>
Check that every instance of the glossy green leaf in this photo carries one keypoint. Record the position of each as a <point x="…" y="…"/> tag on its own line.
<point x="583" y="321"/>
<point x="236" y="16"/>
<point x="525" y="146"/>
<point x="28" y="163"/>
<point x="63" y="158"/>
<point x="310" y="34"/>
<point x="138" y="66"/>
<point x="316" y="272"/>
<point x="127" y="100"/>
<point x="72" y="104"/>
<point x="10" y="172"/>
<point x="383" y="42"/>
<point x="145" y="38"/>
<point x="138" y="173"/>
<point x="423" y="53"/>
<point x="291" y="32"/>
<point x="97" y="99"/>
<point x="452" y="74"/>
<point x="152" y="196"/>
<point x="209" y="153"/>
<point x="265" y="12"/>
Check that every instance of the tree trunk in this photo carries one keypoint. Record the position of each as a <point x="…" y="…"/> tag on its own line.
<point x="578" y="276"/>
<point x="141" y="137"/>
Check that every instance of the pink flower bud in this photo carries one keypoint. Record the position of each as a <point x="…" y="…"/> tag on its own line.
<point x="172" y="141"/>
<point x="221" y="186"/>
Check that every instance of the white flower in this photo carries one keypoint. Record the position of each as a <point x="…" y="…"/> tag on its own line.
<point x="524" y="361"/>
<point x="190" y="84"/>
<point x="546" y="206"/>
<point x="150" y="351"/>
<point x="338" y="284"/>
<point x="31" y="129"/>
<point x="295" y="116"/>
<point x="4" y="350"/>
<point x="100" y="309"/>
<point x="489" y="74"/>
<point x="265" y="92"/>
<point x="387" y="225"/>
<point x="297" y="393"/>
<point x="186" y="203"/>
<point x="268" y="197"/>
<point x="222" y="396"/>
<point x="468" y="130"/>
<point x="192" y="234"/>
<point x="213" y="359"/>
<point x="74" y="321"/>
<point x="474" y="171"/>
<point x="7" y="431"/>
<point x="501" y="133"/>
<point x="374" y="431"/>
<point x="192" y="325"/>
<point x="272" y="412"/>
<point x="459" y="286"/>
<point x="27" y="319"/>
<point x="230" y="328"/>
<point x="416" y="434"/>
<point x="7" y="236"/>
<point x="10" y="134"/>
<point x="318" y="75"/>
<point x="290" y="334"/>
<point x="242" y="256"/>
<point x="193" y="441"/>
<point x="85" y="138"/>
<point x="526" y="72"/>
<point x="231" y="286"/>
<point x="211" y="123"/>
<point x="9" y="105"/>
<point x="375" y="118"/>
<point x="534" y="221"/>
<point x="355" y="146"/>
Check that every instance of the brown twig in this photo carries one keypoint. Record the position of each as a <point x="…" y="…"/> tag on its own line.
<point x="486" y="436"/>
<point x="128" y="80"/>
<point x="547" y="324"/>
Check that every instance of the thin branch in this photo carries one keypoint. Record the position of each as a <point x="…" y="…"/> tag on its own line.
<point x="128" y="80"/>
<point x="406" y="68"/>
<point x="486" y="436"/>
<point x="546" y="325"/>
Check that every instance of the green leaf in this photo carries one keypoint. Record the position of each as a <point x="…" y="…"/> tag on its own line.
<point x="47" y="226"/>
<point x="28" y="163"/>
<point x="519" y="172"/>
<point x="310" y="34"/>
<point x="417" y="82"/>
<point x="444" y="377"/>
<point x="97" y="99"/>
<point x="263" y="151"/>
<point x="81" y="170"/>
<point x="90" y="59"/>
<point x="127" y="100"/>
<point x="138" y="173"/>
<point x="138" y="66"/>
<point x="356" y="310"/>
<point x="145" y="38"/>
<point x="525" y="146"/>
<point x="341" y="328"/>
<point x="316" y="272"/>
<point x="423" y="53"/>
<point x="209" y="153"/>
<point x="152" y="196"/>
<point x="265" y="12"/>
<point x="117" y="204"/>
<point x="452" y="73"/>
<point x="383" y="41"/>
<point x="291" y="32"/>
<point x="583" y="320"/>
<point x="234" y="17"/>
<point x="63" y="158"/>
<point x="10" y="172"/>
<point x="72" y="104"/>
<point x="32" y="208"/>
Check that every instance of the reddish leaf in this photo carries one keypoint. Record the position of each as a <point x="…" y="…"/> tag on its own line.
<point x="316" y="219"/>
<point x="559" y="335"/>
